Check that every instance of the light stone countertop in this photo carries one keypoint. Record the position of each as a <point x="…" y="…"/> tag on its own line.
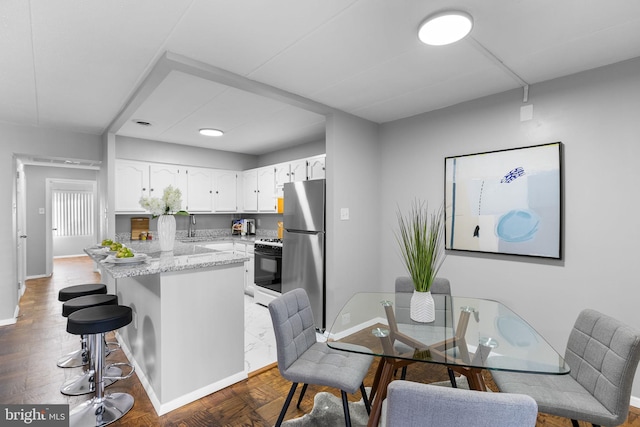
<point x="185" y="256"/>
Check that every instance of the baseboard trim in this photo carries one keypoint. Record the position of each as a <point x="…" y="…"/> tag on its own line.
<point x="5" y="322"/>
<point x="635" y="402"/>
<point x="37" y="276"/>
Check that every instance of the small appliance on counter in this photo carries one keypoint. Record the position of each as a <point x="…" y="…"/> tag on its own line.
<point x="243" y="226"/>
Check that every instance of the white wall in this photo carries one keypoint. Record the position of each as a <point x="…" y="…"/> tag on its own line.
<point x="596" y="115"/>
<point x="353" y="165"/>
<point x="30" y="140"/>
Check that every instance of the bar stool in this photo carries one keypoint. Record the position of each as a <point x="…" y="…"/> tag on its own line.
<point x="96" y="321"/>
<point x="78" y="358"/>
<point x="84" y="382"/>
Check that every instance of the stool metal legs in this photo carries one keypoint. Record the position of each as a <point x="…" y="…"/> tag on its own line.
<point x="102" y="409"/>
<point x="84" y="383"/>
<point x="77" y="358"/>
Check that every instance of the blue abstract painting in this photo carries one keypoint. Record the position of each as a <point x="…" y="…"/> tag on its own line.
<point x="506" y="201"/>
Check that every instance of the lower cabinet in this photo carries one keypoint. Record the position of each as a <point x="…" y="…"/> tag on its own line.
<point x="246" y="249"/>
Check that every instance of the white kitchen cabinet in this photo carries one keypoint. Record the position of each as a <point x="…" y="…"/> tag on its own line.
<point x="260" y="190"/>
<point x="316" y="167"/>
<point x="199" y="197"/>
<point x="282" y="174"/>
<point x="225" y="191"/>
<point x="290" y="172"/>
<point x="131" y="183"/>
<point x="267" y="198"/>
<point x="247" y="249"/>
<point x="298" y="170"/>
<point x="161" y="176"/>
<point x="250" y="190"/>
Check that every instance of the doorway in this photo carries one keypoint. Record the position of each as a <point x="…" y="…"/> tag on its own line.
<point x="71" y="217"/>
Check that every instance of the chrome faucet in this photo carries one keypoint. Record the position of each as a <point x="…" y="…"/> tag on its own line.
<point x="192" y="226"/>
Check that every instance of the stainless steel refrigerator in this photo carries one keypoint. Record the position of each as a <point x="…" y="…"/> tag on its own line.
<point x="303" y="261"/>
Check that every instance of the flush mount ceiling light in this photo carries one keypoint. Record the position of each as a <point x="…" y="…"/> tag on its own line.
<point x="211" y="132"/>
<point x="444" y="28"/>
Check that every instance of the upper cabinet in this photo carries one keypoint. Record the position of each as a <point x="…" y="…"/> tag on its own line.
<point x="225" y="193"/>
<point x="199" y="195"/>
<point x="132" y="183"/>
<point x="203" y="190"/>
<point x="161" y="176"/>
<point x="316" y="167"/>
<point x="206" y="190"/>
<point x="260" y="190"/>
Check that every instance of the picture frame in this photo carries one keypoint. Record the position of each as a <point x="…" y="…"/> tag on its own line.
<point x="506" y="201"/>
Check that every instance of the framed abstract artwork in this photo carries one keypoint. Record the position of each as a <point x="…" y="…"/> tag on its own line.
<point x="505" y="202"/>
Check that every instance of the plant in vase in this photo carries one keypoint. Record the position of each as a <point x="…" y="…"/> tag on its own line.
<point x="421" y="241"/>
<point x="164" y="209"/>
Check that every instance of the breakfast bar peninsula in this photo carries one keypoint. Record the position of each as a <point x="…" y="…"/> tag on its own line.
<point x="186" y="339"/>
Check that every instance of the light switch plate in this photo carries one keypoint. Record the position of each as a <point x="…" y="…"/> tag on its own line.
<point x="344" y="214"/>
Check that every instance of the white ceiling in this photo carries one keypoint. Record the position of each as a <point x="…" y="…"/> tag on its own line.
<point x="266" y="72"/>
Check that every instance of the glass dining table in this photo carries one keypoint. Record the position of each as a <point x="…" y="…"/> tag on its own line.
<point x="467" y="336"/>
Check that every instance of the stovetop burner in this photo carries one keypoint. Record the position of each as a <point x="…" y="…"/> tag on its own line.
<point x="269" y="242"/>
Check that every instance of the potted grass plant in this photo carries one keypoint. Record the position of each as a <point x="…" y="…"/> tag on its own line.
<point x="421" y="241"/>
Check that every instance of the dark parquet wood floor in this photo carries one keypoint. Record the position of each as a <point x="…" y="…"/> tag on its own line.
<point x="30" y="348"/>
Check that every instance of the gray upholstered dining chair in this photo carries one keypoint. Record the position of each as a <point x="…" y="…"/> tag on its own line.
<point x="404" y="289"/>
<point x="603" y="355"/>
<point x="302" y="359"/>
<point x="411" y="404"/>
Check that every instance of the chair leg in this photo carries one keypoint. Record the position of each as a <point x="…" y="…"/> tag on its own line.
<point x="574" y="423"/>
<point x="304" y="389"/>
<point x="367" y="404"/>
<point x="452" y="378"/>
<point x="286" y="404"/>
<point x="345" y="405"/>
<point x="403" y="375"/>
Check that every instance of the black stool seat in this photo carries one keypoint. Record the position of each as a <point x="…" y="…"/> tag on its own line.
<point x="76" y="291"/>
<point x="100" y="319"/>
<point x="87" y="301"/>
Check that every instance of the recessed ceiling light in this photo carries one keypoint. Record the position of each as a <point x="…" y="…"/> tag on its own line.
<point x="211" y="132"/>
<point x="445" y="28"/>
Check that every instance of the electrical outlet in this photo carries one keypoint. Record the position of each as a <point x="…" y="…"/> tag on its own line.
<point x="346" y="318"/>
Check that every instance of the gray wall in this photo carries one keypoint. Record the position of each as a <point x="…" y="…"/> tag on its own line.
<point x="293" y="153"/>
<point x="164" y="152"/>
<point x="36" y="198"/>
<point x="595" y="114"/>
<point x="29" y="140"/>
<point x="353" y="180"/>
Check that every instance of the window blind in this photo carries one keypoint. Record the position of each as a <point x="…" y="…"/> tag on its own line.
<point x="72" y="213"/>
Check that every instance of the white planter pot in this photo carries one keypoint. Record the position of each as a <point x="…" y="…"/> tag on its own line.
<point x="166" y="232"/>
<point x="422" y="308"/>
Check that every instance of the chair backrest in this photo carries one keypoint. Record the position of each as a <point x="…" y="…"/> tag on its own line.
<point x="293" y="326"/>
<point x="411" y="404"/>
<point x="404" y="289"/>
<point x="603" y="355"/>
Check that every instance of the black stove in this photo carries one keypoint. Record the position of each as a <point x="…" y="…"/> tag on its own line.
<point x="268" y="243"/>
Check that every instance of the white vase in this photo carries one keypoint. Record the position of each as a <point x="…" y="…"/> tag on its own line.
<point x="166" y="232"/>
<point x="422" y="307"/>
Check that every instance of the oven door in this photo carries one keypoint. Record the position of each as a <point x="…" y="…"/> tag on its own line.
<point x="268" y="270"/>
